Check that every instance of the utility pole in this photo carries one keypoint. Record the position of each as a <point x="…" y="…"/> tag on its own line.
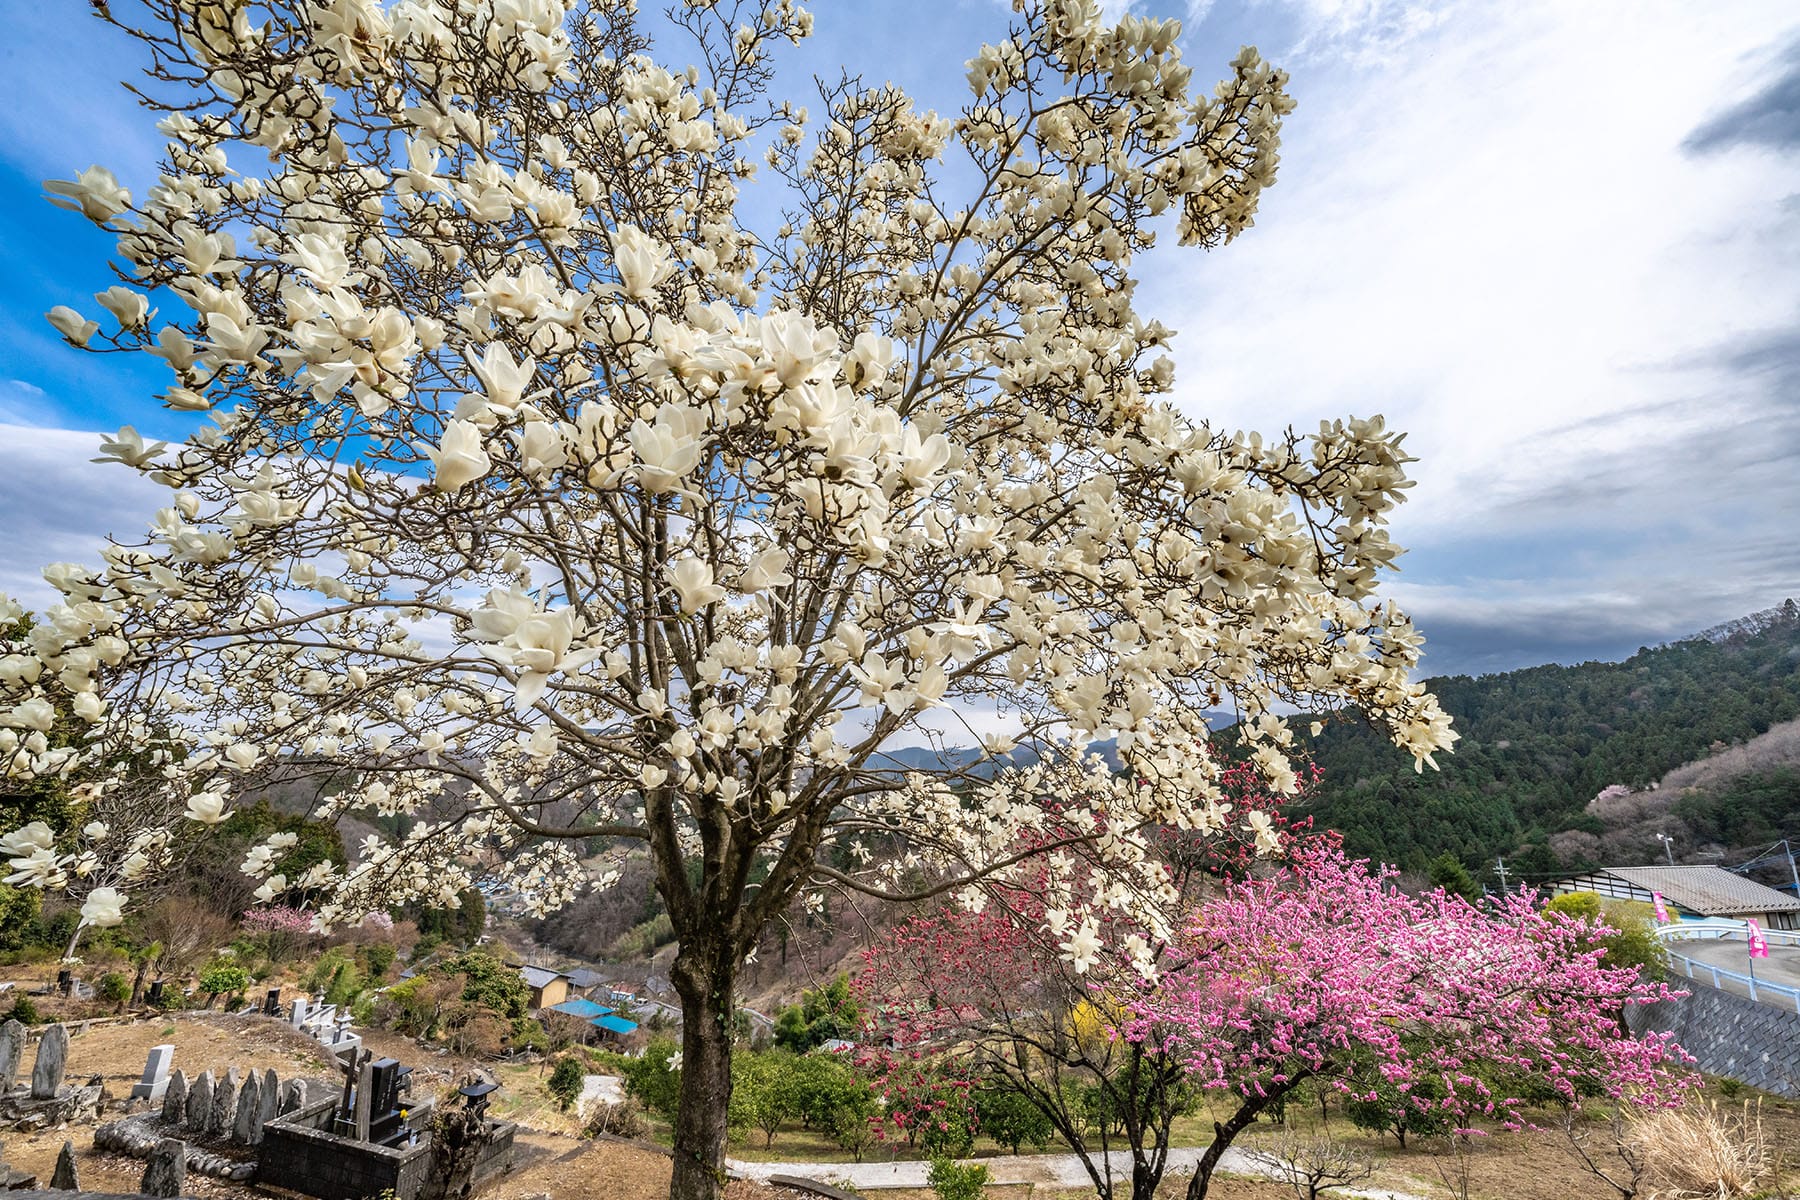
<point x="1500" y="870"/>
<point x="1792" y="869"/>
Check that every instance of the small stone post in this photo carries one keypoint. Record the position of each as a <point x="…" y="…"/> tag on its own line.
<point x="166" y="1172"/>
<point x="63" y="1178"/>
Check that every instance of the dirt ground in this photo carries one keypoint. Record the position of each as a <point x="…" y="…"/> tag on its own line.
<point x="1521" y="1166"/>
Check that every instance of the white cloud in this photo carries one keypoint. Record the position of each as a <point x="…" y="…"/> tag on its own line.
<point x="1487" y="228"/>
<point x="60" y="506"/>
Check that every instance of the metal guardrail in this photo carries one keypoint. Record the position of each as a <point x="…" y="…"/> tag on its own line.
<point x="1729" y="931"/>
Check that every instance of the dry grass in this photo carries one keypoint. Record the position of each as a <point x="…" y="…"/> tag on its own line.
<point x="1705" y="1152"/>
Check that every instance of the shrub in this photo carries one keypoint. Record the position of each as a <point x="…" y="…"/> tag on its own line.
<point x="952" y="1180"/>
<point x="114" y="988"/>
<point x="378" y="957"/>
<point x="624" y="1119"/>
<point x="25" y="1011"/>
<point x="565" y="1083"/>
<point x="1314" y="1164"/>
<point x="223" y="978"/>
<point x="1011" y="1119"/>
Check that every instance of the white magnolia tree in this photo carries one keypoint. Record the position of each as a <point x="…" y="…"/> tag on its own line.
<point x="544" y="500"/>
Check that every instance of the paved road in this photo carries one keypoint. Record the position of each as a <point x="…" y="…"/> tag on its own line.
<point x="1061" y="1170"/>
<point x="1781" y="967"/>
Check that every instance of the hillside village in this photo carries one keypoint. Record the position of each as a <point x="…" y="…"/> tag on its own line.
<point x="575" y="1051"/>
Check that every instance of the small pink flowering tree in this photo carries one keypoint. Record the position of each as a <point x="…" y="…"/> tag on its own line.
<point x="285" y="930"/>
<point x="1327" y="973"/>
<point x="989" y="997"/>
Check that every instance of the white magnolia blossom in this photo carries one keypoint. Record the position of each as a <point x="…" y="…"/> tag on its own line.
<point x="529" y="487"/>
<point x="103" y="908"/>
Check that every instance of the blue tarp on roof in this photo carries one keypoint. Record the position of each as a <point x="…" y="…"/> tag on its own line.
<point x="614" y="1024"/>
<point x="581" y="1008"/>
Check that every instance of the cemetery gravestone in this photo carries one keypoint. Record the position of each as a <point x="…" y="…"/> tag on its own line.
<point x="224" y="1105"/>
<point x="174" y="1106"/>
<point x="12" y="1053"/>
<point x="63" y="1178"/>
<point x="249" y="1104"/>
<point x="52" y="1062"/>
<point x="156" y="1074"/>
<point x="166" y="1173"/>
<point x="199" y="1103"/>
<point x="270" y="1108"/>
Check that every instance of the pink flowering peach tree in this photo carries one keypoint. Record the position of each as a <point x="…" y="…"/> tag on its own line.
<point x="1329" y="973"/>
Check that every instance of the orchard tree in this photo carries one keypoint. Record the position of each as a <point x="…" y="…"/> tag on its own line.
<point x="1423" y="1005"/>
<point x="536" y="498"/>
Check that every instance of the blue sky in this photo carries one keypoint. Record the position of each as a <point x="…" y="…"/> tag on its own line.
<point x="1556" y="241"/>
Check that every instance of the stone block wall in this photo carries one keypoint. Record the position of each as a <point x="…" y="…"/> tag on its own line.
<point x="1730" y="1035"/>
<point x="298" y="1154"/>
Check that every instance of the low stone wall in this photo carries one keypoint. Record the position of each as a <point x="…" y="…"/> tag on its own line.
<point x="300" y="1154"/>
<point x="1730" y="1035"/>
<point x="138" y="1135"/>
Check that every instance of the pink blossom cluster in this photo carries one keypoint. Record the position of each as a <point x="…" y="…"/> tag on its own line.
<point x="277" y="918"/>
<point x="1329" y="971"/>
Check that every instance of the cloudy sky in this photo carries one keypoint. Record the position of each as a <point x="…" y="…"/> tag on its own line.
<point x="1555" y="241"/>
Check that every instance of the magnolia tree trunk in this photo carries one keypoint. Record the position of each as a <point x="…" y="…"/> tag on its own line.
<point x="704" y="977"/>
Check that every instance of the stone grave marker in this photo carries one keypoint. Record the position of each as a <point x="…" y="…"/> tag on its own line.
<point x="199" y="1103"/>
<point x="293" y="1096"/>
<point x="249" y="1104"/>
<point x="166" y="1172"/>
<point x="270" y="1108"/>
<point x="156" y="1074"/>
<point x="63" y="1178"/>
<point x="12" y="1053"/>
<point x="301" y="1005"/>
<point x="224" y="1105"/>
<point x="52" y="1061"/>
<point x="365" y="1095"/>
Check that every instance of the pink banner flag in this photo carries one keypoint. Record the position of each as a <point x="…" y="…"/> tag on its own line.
<point x="1662" y="910"/>
<point x="1759" y="945"/>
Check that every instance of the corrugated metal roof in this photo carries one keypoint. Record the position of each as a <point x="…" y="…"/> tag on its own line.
<point x="581" y="1008"/>
<point x="539" y="977"/>
<point x="1709" y="891"/>
<point x="614" y="1024"/>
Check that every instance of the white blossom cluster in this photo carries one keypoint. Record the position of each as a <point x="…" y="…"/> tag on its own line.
<point x="543" y="498"/>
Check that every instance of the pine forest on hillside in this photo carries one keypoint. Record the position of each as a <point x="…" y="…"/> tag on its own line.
<point x="1539" y="744"/>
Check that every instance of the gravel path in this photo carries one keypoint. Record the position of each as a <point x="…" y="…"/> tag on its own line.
<point x="1059" y="1170"/>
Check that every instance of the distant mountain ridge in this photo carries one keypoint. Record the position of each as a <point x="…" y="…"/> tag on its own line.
<point x="1538" y="744"/>
<point x="958" y="758"/>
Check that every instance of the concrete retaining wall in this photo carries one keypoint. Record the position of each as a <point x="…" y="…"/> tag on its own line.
<point x="1730" y="1035"/>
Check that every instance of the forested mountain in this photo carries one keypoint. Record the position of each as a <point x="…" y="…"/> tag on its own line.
<point x="1538" y="744"/>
